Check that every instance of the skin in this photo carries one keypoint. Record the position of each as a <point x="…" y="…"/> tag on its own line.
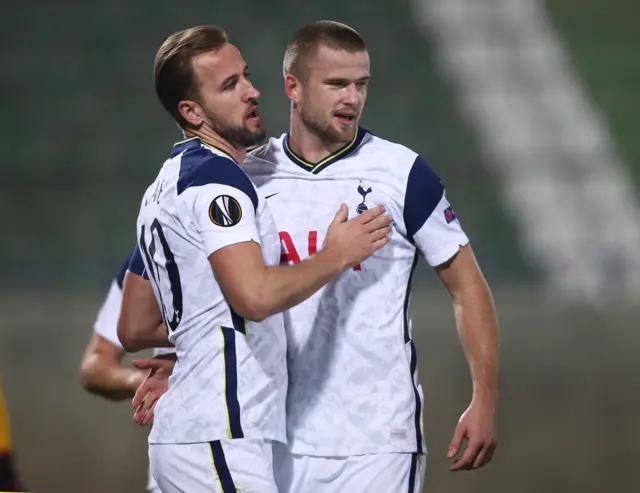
<point x="327" y="101"/>
<point x="102" y="372"/>
<point x="226" y="114"/>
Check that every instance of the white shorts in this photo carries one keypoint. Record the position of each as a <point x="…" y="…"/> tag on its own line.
<point x="152" y="486"/>
<point x="382" y="473"/>
<point x="223" y="466"/>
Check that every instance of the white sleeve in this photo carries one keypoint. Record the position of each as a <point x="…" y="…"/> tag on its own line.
<point x="430" y="220"/>
<point x="223" y="214"/>
<point x="106" y="324"/>
<point x="163" y="350"/>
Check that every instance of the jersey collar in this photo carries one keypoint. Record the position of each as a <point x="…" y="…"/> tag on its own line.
<point x="195" y="143"/>
<point x="341" y="153"/>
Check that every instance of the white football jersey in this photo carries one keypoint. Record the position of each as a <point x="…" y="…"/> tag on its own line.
<point x="106" y="323"/>
<point x="230" y="378"/>
<point x="353" y="379"/>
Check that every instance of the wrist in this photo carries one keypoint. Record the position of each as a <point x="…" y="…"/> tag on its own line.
<point x="332" y="260"/>
<point x="485" y="394"/>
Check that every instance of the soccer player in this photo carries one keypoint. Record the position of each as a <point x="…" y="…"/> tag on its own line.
<point x="209" y="244"/>
<point x="101" y="371"/>
<point x="354" y="404"/>
<point x="354" y="407"/>
<point x="9" y="479"/>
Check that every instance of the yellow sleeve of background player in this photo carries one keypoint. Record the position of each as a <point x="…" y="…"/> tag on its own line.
<point x="5" y="431"/>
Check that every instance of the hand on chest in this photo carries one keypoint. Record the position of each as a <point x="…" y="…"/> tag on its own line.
<point x="304" y="210"/>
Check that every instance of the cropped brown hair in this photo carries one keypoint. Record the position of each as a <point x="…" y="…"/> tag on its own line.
<point x="172" y="69"/>
<point x="309" y="38"/>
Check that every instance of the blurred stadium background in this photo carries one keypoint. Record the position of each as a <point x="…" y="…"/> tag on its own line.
<point x="529" y="111"/>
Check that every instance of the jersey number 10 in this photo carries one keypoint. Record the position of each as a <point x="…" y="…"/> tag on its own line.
<point x="172" y="271"/>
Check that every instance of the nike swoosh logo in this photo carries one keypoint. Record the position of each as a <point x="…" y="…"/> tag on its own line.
<point x="269" y="196"/>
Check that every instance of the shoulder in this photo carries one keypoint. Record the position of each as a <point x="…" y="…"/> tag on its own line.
<point x="266" y="151"/>
<point x="266" y="162"/>
<point x="398" y="154"/>
<point x="200" y="167"/>
<point x="265" y="155"/>
<point x="408" y="166"/>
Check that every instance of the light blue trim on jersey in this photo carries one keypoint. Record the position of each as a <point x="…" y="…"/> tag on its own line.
<point x="424" y="192"/>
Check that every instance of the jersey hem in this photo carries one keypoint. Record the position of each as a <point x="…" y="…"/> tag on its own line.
<point x="211" y="249"/>
<point x="341" y="453"/>
<point x="216" y="437"/>
<point x="447" y="252"/>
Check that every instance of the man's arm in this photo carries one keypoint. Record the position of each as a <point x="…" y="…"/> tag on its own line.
<point x="432" y="225"/>
<point x="140" y="325"/>
<point x="256" y="291"/>
<point x="102" y="373"/>
<point x="101" y="370"/>
<point x="231" y="242"/>
<point x="477" y="325"/>
<point x="476" y="320"/>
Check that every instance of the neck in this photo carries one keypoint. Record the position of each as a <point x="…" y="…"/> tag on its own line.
<point x="308" y="145"/>
<point x="210" y="137"/>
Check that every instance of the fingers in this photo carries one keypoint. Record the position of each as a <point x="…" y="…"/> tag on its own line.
<point x="482" y="457"/>
<point x="490" y="447"/>
<point x="147" y="364"/>
<point x="476" y="455"/>
<point x="456" y="441"/>
<point x="342" y="214"/>
<point x="378" y="234"/>
<point x="141" y="410"/>
<point x="490" y="453"/>
<point x="149" y="415"/>
<point x="141" y="416"/>
<point x="138" y="397"/>
<point x="143" y="390"/>
<point x="377" y="223"/>
<point x="370" y="214"/>
<point x="377" y="245"/>
<point x="468" y="457"/>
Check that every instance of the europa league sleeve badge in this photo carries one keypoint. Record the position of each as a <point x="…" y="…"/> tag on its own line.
<point x="225" y="211"/>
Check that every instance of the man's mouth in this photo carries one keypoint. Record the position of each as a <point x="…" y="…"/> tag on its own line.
<point x="345" y="117"/>
<point x="252" y="113"/>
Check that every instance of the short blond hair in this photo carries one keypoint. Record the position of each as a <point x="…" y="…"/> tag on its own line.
<point x="308" y="39"/>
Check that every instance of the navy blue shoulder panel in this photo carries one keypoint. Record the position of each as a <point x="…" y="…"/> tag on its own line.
<point x="123" y="270"/>
<point x="424" y="191"/>
<point x="136" y="264"/>
<point x="199" y="167"/>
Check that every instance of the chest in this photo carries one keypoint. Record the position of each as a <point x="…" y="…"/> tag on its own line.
<point x="303" y="208"/>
